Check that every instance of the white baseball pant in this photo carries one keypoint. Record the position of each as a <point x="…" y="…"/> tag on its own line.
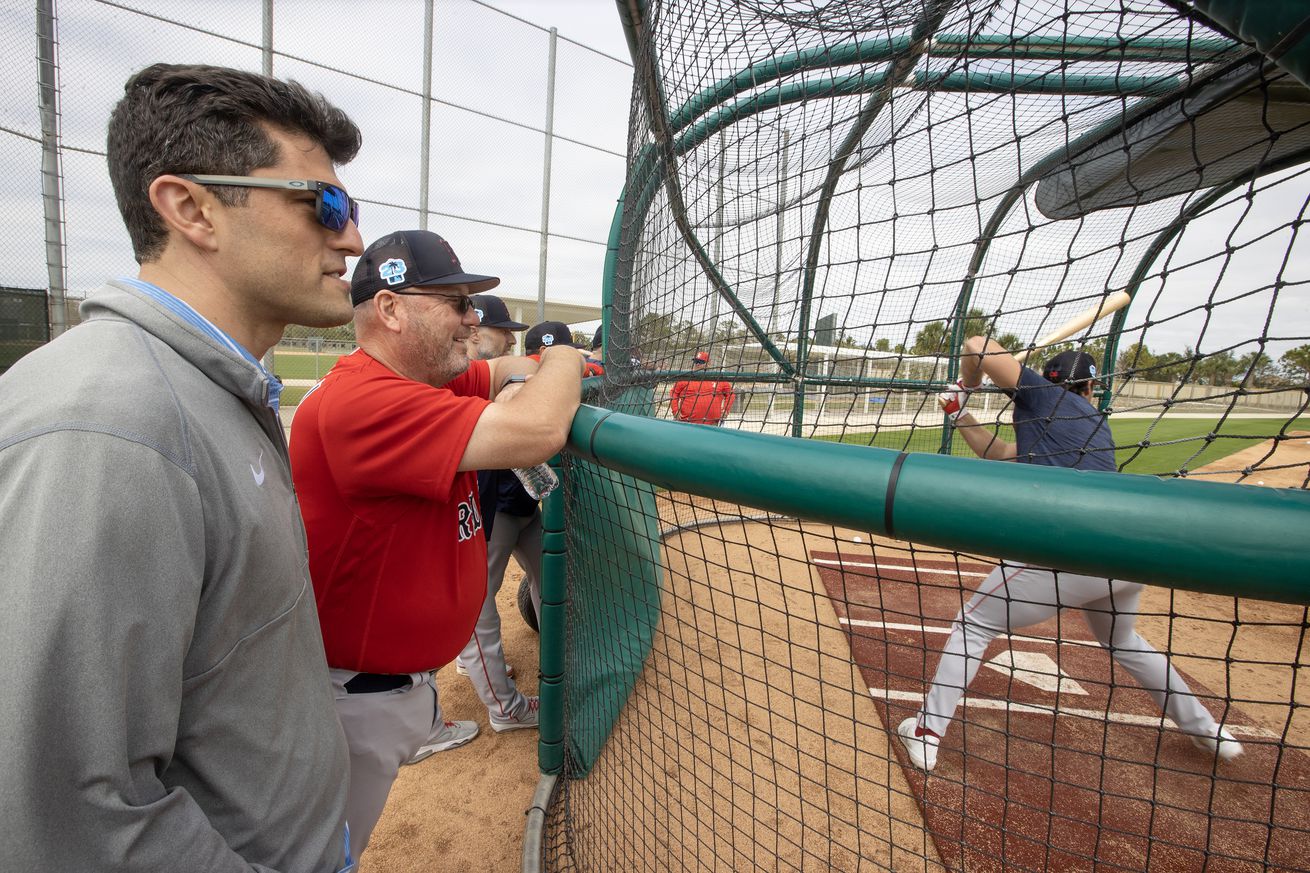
<point x="1014" y="596"/>
<point x="383" y="731"/>
<point x="484" y="655"/>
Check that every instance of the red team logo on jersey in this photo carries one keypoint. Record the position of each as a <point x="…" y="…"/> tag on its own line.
<point x="470" y="519"/>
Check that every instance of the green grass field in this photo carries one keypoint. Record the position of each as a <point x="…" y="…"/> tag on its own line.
<point x="293" y="365"/>
<point x="292" y="396"/>
<point x="1162" y="457"/>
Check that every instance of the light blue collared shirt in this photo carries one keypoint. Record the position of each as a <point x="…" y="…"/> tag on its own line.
<point x="184" y="311"/>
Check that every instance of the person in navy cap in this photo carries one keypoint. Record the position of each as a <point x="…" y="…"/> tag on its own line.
<point x="384" y="453"/>
<point x="1055" y="424"/>
<point x="597" y="355"/>
<point x="494" y="335"/>
<point x="549" y="334"/>
<point x="512" y="526"/>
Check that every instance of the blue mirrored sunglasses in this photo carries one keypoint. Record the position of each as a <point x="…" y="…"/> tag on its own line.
<point x="332" y="205"/>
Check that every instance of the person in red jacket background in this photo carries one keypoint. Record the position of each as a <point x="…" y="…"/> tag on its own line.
<point x="702" y="401"/>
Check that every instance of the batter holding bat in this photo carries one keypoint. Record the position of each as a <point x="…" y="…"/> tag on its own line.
<point x="1056" y="424"/>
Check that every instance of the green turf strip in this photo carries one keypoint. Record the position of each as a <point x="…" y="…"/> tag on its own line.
<point x="1162" y="457"/>
<point x="292" y="397"/>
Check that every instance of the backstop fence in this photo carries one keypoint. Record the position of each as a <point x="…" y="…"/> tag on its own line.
<point x="471" y="118"/>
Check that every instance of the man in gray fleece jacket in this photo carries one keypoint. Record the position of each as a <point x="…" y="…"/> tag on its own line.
<point x="164" y="700"/>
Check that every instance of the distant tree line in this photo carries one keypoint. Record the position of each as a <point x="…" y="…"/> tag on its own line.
<point x="665" y="333"/>
<point x="1254" y="369"/>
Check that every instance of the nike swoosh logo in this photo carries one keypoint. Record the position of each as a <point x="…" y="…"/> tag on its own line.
<point x="258" y="474"/>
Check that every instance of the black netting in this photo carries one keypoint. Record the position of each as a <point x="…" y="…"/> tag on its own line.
<point x="826" y="201"/>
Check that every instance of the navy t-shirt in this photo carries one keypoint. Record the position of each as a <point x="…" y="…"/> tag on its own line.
<point x="1057" y="427"/>
<point x="501" y="491"/>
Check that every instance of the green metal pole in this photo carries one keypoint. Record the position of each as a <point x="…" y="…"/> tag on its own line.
<point x="899" y="69"/>
<point x="608" y="277"/>
<point x="1159" y="244"/>
<point x="1178" y="532"/>
<point x="1054" y="82"/>
<point x="1069" y="49"/>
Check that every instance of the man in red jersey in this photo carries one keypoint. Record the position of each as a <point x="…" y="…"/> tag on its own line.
<point x="384" y="452"/>
<point x="702" y="401"/>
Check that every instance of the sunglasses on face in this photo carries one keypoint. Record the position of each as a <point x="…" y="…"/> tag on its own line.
<point x="462" y="303"/>
<point x="332" y="205"/>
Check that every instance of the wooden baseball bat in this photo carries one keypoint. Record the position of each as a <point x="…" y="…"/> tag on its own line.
<point x="1116" y="301"/>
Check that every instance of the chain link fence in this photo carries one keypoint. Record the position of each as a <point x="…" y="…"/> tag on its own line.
<point x="515" y="112"/>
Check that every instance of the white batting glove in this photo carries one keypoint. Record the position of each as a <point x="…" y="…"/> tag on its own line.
<point x="952" y="400"/>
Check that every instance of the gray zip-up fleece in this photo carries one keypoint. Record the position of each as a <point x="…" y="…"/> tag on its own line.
<point x="164" y="699"/>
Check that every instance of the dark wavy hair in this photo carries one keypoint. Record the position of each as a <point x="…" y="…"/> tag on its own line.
<point x="199" y="119"/>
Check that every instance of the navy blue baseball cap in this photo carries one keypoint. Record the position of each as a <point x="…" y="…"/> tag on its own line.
<point x="548" y="333"/>
<point x="1070" y="366"/>
<point x="409" y="258"/>
<point x="492" y="312"/>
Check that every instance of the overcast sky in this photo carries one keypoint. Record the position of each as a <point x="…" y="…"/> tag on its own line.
<point x="487" y="151"/>
<point x="489" y="82"/>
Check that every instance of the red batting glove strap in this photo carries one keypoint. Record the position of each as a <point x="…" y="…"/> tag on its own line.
<point x="952" y="400"/>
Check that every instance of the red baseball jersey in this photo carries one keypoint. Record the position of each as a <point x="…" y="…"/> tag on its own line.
<point x="701" y="402"/>
<point x="396" y="549"/>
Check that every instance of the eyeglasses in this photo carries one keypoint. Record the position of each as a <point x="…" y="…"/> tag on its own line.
<point x="462" y="302"/>
<point x="332" y="205"/>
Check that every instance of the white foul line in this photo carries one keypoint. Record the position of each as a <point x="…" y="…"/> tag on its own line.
<point x="945" y="571"/>
<point x="936" y="629"/>
<point x="1040" y="709"/>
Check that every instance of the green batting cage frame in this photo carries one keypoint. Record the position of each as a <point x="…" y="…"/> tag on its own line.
<point x="829" y="199"/>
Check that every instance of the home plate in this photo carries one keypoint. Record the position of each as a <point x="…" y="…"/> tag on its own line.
<point x="1035" y="669"/>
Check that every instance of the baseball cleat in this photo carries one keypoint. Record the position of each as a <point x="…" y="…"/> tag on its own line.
<point x="920" y="745"/>
<point x="452" y="735"/>
<point x="526" y="719"/>
<point x="1225" y="746"/>
<point x="464" y="671"/>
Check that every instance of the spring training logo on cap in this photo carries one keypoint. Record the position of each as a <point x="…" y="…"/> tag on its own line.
<point x="482" y="316"/>
<point x="393" y="271"/>
<point x="1092" y="369"/>
<point x="548" y="339"/>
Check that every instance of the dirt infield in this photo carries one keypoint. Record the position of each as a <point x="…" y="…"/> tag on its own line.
<point x="751" y="740"/>
<point x="1281" y="464"/>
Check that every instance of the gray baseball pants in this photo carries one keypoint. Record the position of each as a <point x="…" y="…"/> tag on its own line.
<point x="484" y="656"/>
<point x="383" y="731"/>
<point x="1014" y="596"/>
